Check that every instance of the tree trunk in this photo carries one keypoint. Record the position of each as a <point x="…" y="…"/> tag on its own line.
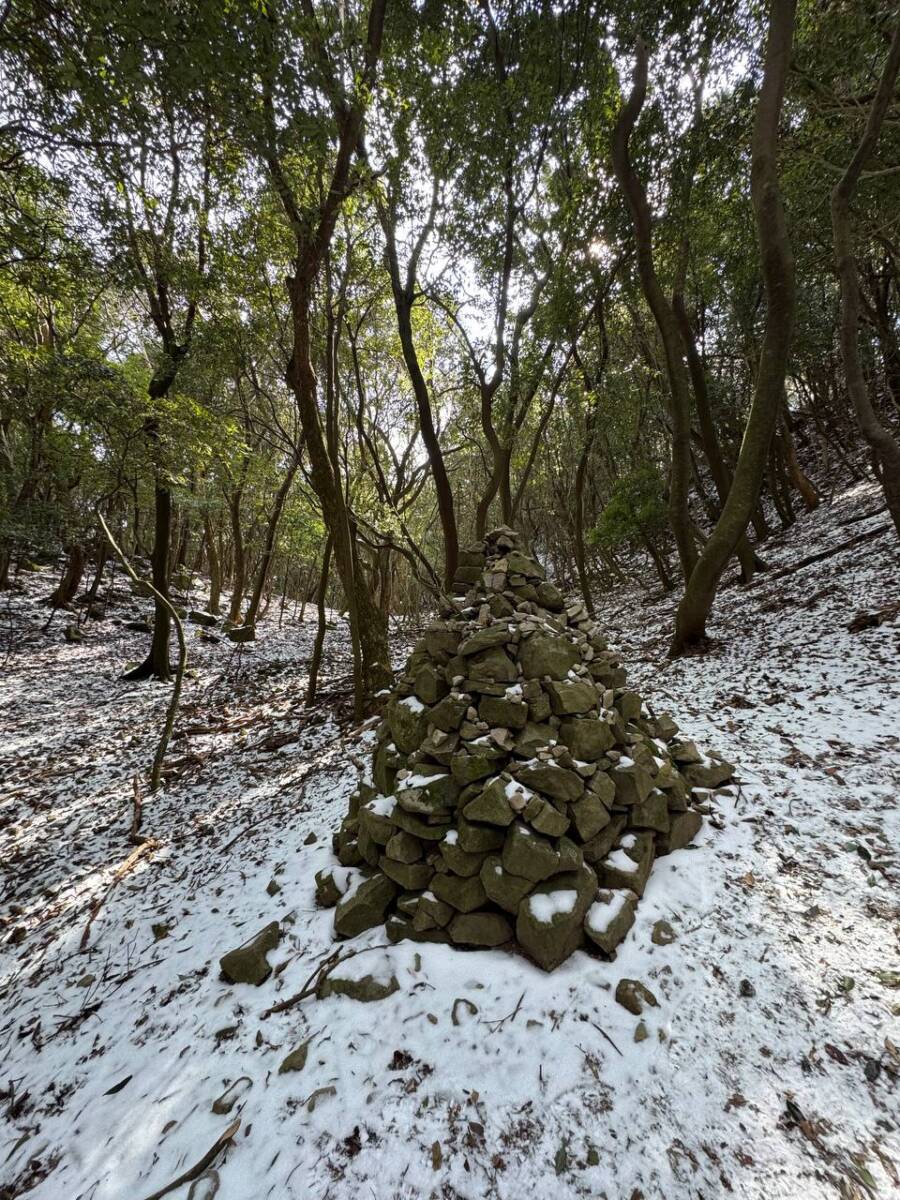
<point x="679" y="391"/>
<point x="239" y="558"/>
<point x="265" y="562"/>
<point x="712" y="451"/>
<point x="316" y="661"/>
<point x="879" y="438"/>
<point x="215" y="568"/>
<point x="778" y="277"/>
<point x="66" y="589"/>
<point x="403" y="302"/>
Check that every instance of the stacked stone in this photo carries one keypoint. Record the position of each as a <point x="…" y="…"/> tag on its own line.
<point x="520" y="792"/>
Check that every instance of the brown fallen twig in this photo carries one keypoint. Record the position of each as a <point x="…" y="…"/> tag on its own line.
<point x="201" y="1166"/>
<point x="829" y="553"/>
<point x="139" y="851"/>
<point x="322" y="971"/>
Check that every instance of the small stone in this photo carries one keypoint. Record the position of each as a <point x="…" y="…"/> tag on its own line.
<point x="662" y="934"/>
<point x="296" y="1060"/>
<point x="366" y="989"/>
<point x="746" y="988"/>
<point x="273" y="887"/>
<point x="248" y="963"/>
<point x="641" y="1032"/>
<point x="634" y="996"/>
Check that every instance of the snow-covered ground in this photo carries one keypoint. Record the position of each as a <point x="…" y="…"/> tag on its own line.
<point x="769" y="1069"/>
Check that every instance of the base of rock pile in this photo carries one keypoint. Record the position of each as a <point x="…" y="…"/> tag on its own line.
<point x="519" y="792"/>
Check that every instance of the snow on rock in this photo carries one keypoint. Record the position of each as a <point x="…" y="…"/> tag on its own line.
<point x="546" y="905"/>
<point x="602" y="913"/>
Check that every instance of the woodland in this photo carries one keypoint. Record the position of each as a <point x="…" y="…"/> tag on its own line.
<point x="306" y="306"/>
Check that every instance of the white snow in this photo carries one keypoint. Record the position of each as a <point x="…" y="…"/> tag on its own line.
<point x="602" y="913"/>
<point x="413" y="703"/>
<point x="792" y="886"/>
<point x="619" y="861"/>
<point x="546" y="905"/>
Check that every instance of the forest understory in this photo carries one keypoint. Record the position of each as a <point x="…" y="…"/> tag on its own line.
<point x="769" y="1068"/>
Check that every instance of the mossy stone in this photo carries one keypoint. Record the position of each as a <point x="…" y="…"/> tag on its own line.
<point x="493" y="665"/>
<point x="365" y="989"/>
<point x="587" y="738"/>
<point x="589" y="815"/>
<point x="541" y="655"/>
<point x="502" y="887"/>
<point x="467" y="768"/>
<point x="460" y="861"/>
<point x="478" y="839"/>
<point x="542" y="816"/>
<point x="503" y="711"/>
<point x="485" y="639"/>
<point x="248" y="963"/>
<point x="429" y="684"/>
<point x="403" y="847"/>
<point x="683" y="828"/>
<point x="528" y="854"/>
<point x="557" y="782"/>
<point x="408" y="722"/>
<point x="418" y="826"/>
<point x="480" y="929"/>
<point x="491" y="806"/>
<point x="652" y="813"/>
<point x="448" y="713"/>
<point x="571" y="697"/>
<point x="365" y="906"/>
<point x="610" y="917"/>
<point x="411" y="876"/>
<point x="465" y="895"/>
<point x="633" y="783"/>
<point x="550" y="921"/>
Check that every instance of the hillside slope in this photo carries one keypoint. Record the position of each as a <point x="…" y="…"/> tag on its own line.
<point x="768" y="1069"/>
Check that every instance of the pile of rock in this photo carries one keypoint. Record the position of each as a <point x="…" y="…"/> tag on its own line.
<point x="519" y="791"/>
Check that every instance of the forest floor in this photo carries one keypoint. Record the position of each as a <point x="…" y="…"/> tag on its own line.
<point x="769" y="1070"/>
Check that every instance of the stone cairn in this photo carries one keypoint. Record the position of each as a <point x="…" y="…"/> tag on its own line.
<point x="519" y="791"/>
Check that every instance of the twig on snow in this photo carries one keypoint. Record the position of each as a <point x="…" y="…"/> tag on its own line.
<point x="172" y="710"/>
<point x="144" y="848"/>
<point x="201" y="1166"/>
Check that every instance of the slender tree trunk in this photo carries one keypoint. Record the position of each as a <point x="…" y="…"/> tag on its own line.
<point x="265" y="562"/>
<point x="778" y="276"/>
<point x="367" y="625"/>
<point x="404" y="295"/>
<point x="798" y="477"/>
<point x="879" y="438"/>
<point x="239" y="557"/>
<point x="102" y="557"/>
<point x="321" y="592"/>
<point x="679" y="391"/>
<point x="721" y="476"/>
<point x="215" y="568"/>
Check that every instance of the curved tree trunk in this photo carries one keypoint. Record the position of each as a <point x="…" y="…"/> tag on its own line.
<point x="679" y="390"/>
<point x="778" y="276"/>
<point x="879" y="438"/>
<point x="65" y="591"/>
